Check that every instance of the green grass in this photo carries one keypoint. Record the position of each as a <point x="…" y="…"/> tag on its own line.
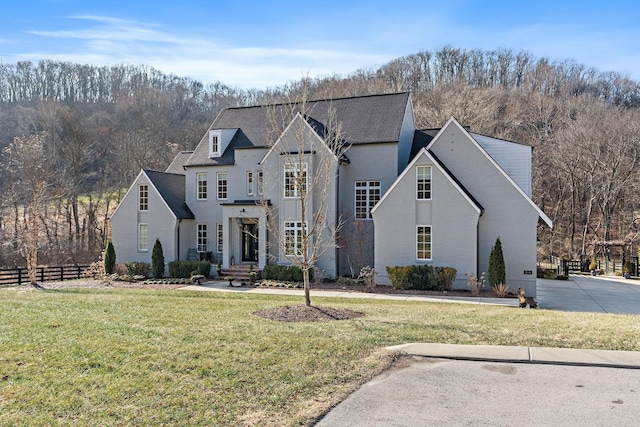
<point x="127" y="357"/>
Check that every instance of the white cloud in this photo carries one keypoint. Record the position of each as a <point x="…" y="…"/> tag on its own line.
<point x="114" y="41"/>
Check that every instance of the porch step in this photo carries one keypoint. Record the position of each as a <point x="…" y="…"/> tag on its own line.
<point x="240" y="271"/>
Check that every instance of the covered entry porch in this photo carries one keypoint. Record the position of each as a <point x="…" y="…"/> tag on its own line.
<point x="244" y="233"/>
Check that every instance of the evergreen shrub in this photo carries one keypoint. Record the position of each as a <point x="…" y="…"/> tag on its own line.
<point x="183" y="269"/>
<point x="422" y="277"/>
<point x="109" y="259"/>
<point x="497" y="273"/>
<point x="285" y="273"/>
<point x="157" y="261"/>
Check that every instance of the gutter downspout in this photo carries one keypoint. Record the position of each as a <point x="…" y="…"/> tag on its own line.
<point x="178" y="240"/>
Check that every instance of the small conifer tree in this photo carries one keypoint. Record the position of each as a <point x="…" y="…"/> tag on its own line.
<point x="157" y="260"/>
<point x="496" y="264"/>
<point x="109" y="259"/>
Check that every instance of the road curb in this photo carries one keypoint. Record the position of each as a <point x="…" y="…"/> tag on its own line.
<point x="517" y="354"/>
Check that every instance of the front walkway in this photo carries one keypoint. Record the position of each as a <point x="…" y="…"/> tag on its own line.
<point x="219" y="286"/>
<point x="600" y="294"/>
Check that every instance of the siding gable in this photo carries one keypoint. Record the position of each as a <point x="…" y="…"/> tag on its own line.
<point x="469" y="162"/>
<point x="424" y="157"/>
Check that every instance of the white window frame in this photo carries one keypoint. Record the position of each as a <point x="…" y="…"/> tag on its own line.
<point x="202" y="239"/>
<point x="143" y="237"/>
<point x="219" y="190"/>
<point x="201" y="186"/>
<point x="293" y="229"/>
<point x="214" y="143"/>
<point x="424" y="179"/>
<point x="429" y="233"/>
<point x="291" y="177"/>
<point x="143" y="197"/>
<point x="368" y="187"/>
<point x="249" y="183"/>
<point x="260" y="182"/>
<point x="220" y="241"/>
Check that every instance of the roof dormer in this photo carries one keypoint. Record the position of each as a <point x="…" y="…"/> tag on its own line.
<point x="219" y="140"/>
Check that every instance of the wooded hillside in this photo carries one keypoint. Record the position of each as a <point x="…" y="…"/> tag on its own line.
<point x="98" y="126"/>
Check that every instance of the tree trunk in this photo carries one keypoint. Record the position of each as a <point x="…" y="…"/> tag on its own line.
<point x="305" y="278"/>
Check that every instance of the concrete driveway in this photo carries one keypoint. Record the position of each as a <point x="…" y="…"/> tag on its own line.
<point x="451" y="385"/>
<point x="600" y="294"/>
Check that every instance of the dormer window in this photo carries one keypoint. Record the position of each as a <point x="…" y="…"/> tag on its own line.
<point x="214" y="143"/>
<point x="219" y="140"/>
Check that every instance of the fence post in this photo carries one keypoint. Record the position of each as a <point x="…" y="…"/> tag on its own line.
<point x="19" y="276"/>
<point x="42" y="274"/>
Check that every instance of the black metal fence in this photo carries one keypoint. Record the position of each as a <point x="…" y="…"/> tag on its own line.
<point x="18" y="276"/>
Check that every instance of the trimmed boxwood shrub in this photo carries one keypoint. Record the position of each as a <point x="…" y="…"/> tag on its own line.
<point x="398" y="276"/>
<point x="422" y="277"/>
<point x="137" y="268"/>
<point x="285" y="273"/>
<point x="185" y="268"/>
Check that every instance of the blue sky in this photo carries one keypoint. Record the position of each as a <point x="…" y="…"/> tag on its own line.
<point x="260" y="44"/>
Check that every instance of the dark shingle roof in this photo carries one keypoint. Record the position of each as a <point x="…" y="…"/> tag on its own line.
<point x="172" y="189"/>
<point x="364" y="120"/>
<point x="178" y="162"/>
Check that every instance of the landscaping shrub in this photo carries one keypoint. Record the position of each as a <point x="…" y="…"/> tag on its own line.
<point x="183" y="269"/>
<point x="285" y="273"/>
<point x="447" y="278"/>
<point x="137" y="268"/>
<point x="157" y="260"/>
<point x="109" y="259"/>
<point x="350" y="281"/>
<point x="423" y="277"/>
<point x="496" y="264"/>
<point x="398" y="276"/>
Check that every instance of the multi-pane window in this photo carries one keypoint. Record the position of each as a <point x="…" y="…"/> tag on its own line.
<point x="214" y="144"/>
<point x="143" y="197"/>
<point x="295" y="179"/>
<point x="250" y="183"/>
<point x="202" y="238"/>
<point x="219" y="226"/>
<point x="423" y="182"/>
<point x="293" y="238"/>
<point x="367" y="195"/>
<point x="423" y="242"/>
<point x="201" y="179"/>
<point x="143" y="237"/>
<point x="222" y="185"/>
<point x="260" y="183"/>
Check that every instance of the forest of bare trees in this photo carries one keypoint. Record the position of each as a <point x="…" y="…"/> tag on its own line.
<point x="98" y="126"/>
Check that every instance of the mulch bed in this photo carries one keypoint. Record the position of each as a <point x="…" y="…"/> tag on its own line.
<point x="303" y="313"/>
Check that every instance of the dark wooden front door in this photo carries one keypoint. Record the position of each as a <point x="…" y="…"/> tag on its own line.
<point x="250" y="242"/>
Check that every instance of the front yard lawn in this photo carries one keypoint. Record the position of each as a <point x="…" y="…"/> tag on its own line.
<point x="137" y="357"/>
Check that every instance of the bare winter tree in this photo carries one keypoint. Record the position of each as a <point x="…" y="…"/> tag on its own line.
<point x="28" y="165"/>
<point x="354" y="241"/>
<point x="308" y="153"/>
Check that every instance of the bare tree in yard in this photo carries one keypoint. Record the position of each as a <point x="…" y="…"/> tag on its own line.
<point x="310" y="154"/>
<point x="28" y="167"/>
<point x="355" y="241"/>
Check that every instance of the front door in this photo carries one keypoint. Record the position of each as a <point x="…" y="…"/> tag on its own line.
<point x="250" y="242"/>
